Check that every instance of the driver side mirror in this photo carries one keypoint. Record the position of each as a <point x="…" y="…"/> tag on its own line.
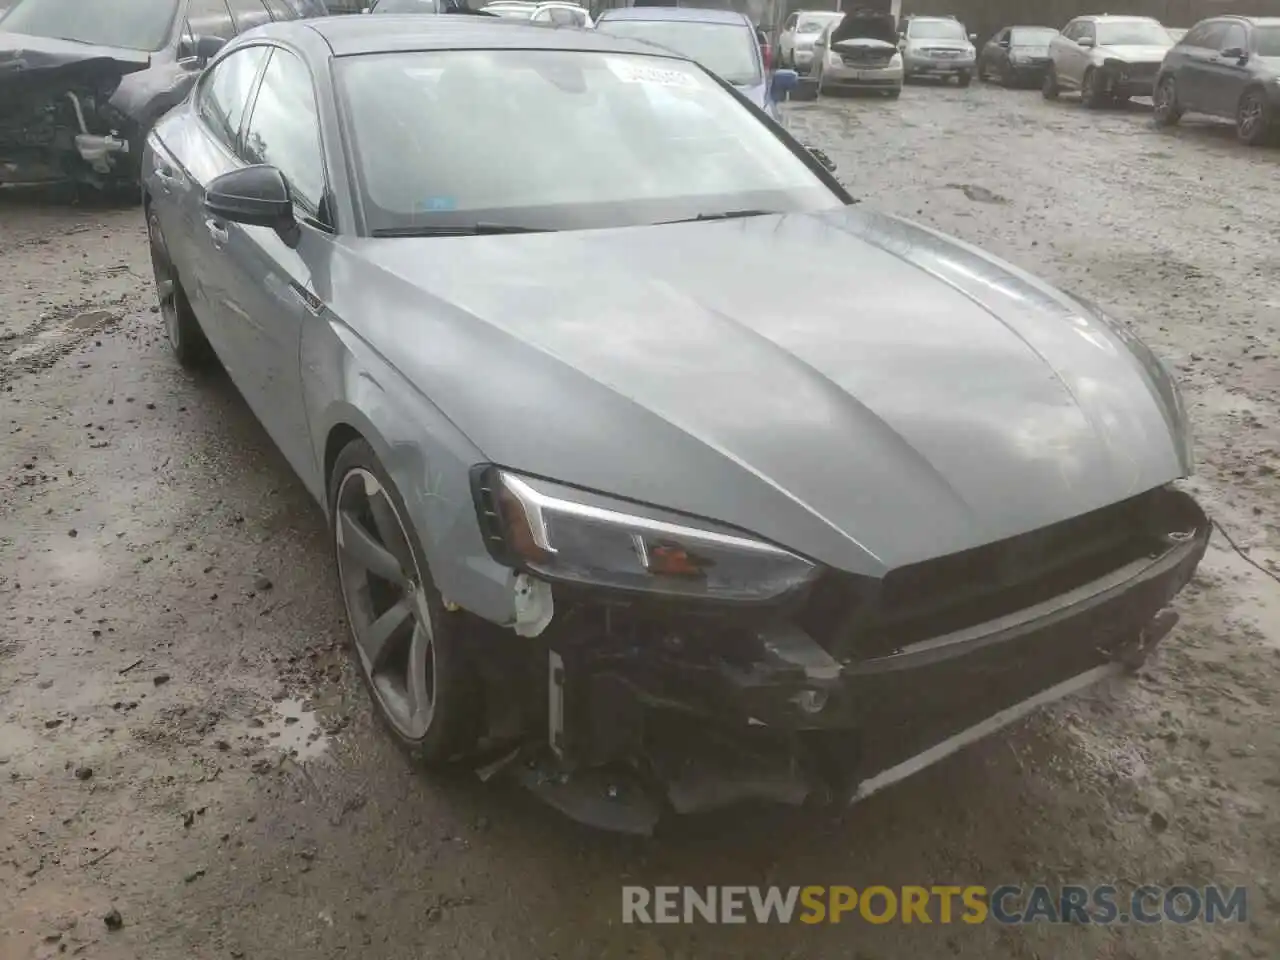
<point x="973" y="38"/>
<point x="256" y="196"/>
<point x="1005" y="43"/>
<point x="1086" y="42"/>
<point x="203" y="47"/>
<point x="822" y="158"/>
<point x="1235" y="53"/>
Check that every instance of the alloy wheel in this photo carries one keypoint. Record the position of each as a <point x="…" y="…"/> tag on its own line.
<point x="1252" y="118"/>
<point x="386" y="605"/>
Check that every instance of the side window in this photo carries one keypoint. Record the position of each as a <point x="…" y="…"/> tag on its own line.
<point x="210" y="18"/>
<point x="1234" y="38"/>
<point x="1086" y="31"/>
<point x="1004" y="35"/>
<point x="1196" y="35"/>
<point x="280" y="10"/>
<point x="565" y="18"/>
<point x="248" y="14"/>
<point x="791" y="22"/>
<point x="284" y="129"/>
<point x="1214" y="34"/>
<point x="225" y="90"/>
<point x="1072" y="30"/>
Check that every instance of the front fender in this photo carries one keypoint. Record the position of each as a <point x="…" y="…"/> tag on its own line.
<point x="350" y="387"/>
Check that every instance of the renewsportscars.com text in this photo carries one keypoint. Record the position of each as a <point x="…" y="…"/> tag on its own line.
<point x="940" y="904"/>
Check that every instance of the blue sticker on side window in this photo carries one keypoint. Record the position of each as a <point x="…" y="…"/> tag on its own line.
<point x="436" y="204"/>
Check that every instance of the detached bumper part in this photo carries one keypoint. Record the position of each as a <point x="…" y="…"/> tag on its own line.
<point x="690" y="715"/>
<point x="98" y="151"/>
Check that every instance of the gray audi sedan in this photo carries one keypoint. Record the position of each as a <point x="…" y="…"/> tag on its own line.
<point x="610" y="517"/>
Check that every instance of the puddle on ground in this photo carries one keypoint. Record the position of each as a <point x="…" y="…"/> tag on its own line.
<point x="1256" y="597"/>
<point x="294" y="728"/>
<point x="59" y="332"/>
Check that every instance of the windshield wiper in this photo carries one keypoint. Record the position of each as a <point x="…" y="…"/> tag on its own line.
<point x="726" y="215"/>
<point x="474" y="230"/>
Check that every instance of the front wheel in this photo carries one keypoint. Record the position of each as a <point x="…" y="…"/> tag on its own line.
<point x="1050" y="90"/>
<point x="964" y="79"/>
<point x="1167" y="110"/>
<point x="408" y="648"/>
<point x="1090" y="92"/>
<point x="1253" y="118"/>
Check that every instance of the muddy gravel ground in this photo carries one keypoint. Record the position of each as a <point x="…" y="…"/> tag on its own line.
<point x="183" y="740"/>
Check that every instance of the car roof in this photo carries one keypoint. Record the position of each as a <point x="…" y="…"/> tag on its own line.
<point x="1256" y="21"/>
<point x="1117" y="18"/>
<point x="393" y="33"/>
<point x="699" y="14"/>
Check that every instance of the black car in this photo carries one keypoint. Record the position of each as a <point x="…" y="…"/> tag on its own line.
<point x="1016" y="55"/>
<point x="1225" y="67"/>
<point x="82" y="83"/>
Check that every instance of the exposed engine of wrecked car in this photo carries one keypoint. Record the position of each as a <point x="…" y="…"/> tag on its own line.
<point x="57" y="132"/>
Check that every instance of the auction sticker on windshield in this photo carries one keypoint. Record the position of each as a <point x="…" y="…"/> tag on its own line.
<point x="631" y="72"/>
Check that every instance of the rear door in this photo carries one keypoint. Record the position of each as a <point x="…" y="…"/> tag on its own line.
<point x="1226" y="74"/>
<point x="1191" y="67"/>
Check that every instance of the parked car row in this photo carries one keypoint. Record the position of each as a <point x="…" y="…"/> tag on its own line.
<point x="1227" y="66"/>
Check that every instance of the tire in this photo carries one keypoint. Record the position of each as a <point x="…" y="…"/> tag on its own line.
<point x="983" y="76"/>
<point x="1253" y="118"/>
<point x="186" y="339"/>
<point x="1050" y="90"/>
<point x="1006" y="77"/>
<point x="364" y="501"/>
<point x="894" y="94"/>
<point x="964" y="79"/>
<point x="1090" y="96"/>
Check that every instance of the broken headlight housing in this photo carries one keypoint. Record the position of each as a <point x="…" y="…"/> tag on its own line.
<point x="568" y="535"/>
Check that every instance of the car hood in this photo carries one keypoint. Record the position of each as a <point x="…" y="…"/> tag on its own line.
<point x="1136" y="54"/>
<point x="26" y="61"/>
<point x="920" y="398"/>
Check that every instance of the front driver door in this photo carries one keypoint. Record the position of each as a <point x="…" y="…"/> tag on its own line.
<point x="273" y="287"/>
<point x="996" y="54"/>
<point x="1226" y="76"/>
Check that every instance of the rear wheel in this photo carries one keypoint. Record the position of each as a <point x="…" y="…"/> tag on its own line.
<point x="1167" y="109"/>
<point x="186" y="339"/>
<point x="1253" y="118"/>
<point x="1050" y="90"/>
<point x="408" y="648"/>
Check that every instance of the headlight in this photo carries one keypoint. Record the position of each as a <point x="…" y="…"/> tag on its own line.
<point x="895" y="60"/>
<point x="564" y="534"/>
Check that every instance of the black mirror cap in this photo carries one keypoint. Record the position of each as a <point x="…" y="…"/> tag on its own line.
<point x="1235" y="53"/>
<point x="257" y="196"/>
<point x="207" y="46"/>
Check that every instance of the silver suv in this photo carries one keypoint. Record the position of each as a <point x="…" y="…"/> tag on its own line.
<point x="1108" y="59"/>
<point x="938" y="47"/>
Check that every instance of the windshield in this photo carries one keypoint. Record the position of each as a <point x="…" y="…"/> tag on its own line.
<point x="1032" y="36"/>
<point x="604" y="140"/>
<point x="1268" y="41"/>
<point x="131" y="24"/>
<point x="936" y="30"/>
<point x="814" y="22"/>
<point x="726" y="49"/>
<point x="406" y="6"/>
<point x="1134" y="33"/>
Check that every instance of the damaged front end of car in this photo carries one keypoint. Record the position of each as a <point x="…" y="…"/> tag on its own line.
<point x="671" y="664"/>
<point x="57" y="121"/>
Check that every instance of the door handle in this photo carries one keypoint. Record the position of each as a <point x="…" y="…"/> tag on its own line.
<point x="217" y="232"/>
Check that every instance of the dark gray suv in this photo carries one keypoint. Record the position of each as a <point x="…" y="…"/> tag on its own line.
<point x="1226" y="67"/>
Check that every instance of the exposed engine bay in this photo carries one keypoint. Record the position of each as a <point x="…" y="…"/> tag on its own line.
<point x="57" y="123"/>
